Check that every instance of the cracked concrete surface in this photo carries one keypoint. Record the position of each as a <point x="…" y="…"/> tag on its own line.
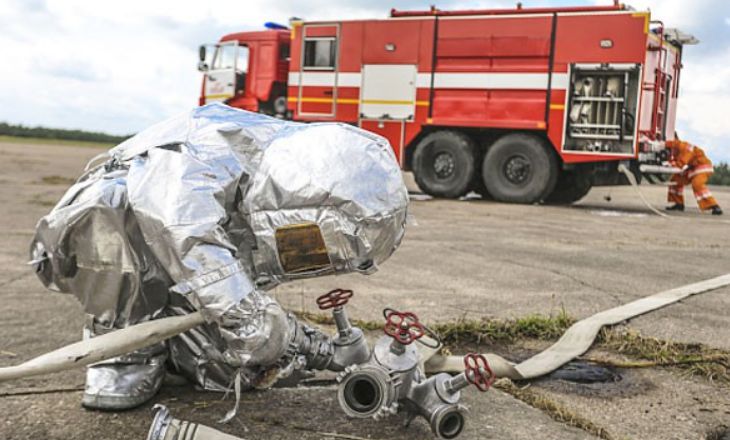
<point x="469" y="259"/>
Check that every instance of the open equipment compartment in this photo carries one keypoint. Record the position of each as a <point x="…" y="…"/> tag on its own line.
<point x="602" y="108"/>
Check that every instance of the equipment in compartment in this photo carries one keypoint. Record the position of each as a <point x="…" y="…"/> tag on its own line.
<point x="602" y="103"/>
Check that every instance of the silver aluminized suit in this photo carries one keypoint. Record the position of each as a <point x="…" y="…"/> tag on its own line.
<point x="193" y="214"/>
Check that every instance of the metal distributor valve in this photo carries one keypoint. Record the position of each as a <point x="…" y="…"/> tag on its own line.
<point x="392" y="381"/>
<point x="376" y="387"/>
<point x="349" y="345"/>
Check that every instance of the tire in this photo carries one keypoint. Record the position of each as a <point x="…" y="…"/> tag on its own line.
<point x="520" y="168"/>
<point x="571" y="187"/>
<point x="279" y="106"/>
<point x="444" y="164"/>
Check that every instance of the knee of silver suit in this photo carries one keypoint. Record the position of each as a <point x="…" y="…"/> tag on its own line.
<point x="166" y="427"/>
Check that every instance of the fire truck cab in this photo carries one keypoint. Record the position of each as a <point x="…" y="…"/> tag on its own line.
<point x="248" y="70"/>
<point x="521" y="105"/>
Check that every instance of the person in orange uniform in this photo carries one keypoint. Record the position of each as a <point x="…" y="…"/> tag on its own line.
<point x="696" y="169"/>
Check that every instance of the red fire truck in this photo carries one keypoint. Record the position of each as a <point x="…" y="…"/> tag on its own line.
<point x="522" y="105"/>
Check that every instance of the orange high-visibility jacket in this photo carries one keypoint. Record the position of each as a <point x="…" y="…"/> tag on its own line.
<point x="686" y="154"/>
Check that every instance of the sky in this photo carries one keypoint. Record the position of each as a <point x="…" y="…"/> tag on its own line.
<point x="121" y="66"/>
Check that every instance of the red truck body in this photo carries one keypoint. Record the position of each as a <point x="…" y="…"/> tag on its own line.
<point x="588" y="83"/>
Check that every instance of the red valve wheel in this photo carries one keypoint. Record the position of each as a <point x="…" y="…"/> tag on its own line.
<point x="404" y="327"/>
<point x="478" y="371"/>
<point x="334" y="298"/>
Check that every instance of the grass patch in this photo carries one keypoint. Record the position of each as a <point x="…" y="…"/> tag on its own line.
<point x="59" y="142"/>
<point x="555" y="410"/>
<point x="57" y="180"/>
<point x="536" y="326"/>
<point x="484" y="331"/>
<point x="693" y="359"/>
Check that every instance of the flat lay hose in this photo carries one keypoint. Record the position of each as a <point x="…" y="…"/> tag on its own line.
<point x="574" y="342"/>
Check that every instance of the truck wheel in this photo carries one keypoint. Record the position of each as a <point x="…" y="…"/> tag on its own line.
<point x="444" y="164"/>
<point x="279" y="106"/>
<point x="520" y="168"/>
<point x="571" y="187"/>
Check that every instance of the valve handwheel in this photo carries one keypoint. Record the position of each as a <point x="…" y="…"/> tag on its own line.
<point x="478" y="371"/>
<point x="334" y="298"/>
<point x="404" y="327"/>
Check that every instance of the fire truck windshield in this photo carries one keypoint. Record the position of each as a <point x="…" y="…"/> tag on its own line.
<point x="230" y="56"/>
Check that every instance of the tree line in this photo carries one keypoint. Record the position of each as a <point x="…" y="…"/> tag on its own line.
<point x="58" y="133"/>
<point x="721" y="176"/>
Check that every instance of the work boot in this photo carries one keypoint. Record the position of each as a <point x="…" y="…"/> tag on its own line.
<point x="676" y="207"/>
<point x="716" y="210"/>
<point x="125" y="382"/>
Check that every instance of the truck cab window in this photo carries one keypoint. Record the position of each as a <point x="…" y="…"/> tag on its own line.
<point x="320" y="53"/>
<point x="224" y="58"/>
<point x="228" y="56"/>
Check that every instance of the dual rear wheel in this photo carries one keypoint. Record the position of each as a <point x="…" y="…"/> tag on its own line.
<point x="517" y="168"/>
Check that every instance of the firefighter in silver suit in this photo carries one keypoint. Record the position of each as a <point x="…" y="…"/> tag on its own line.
<point x="208" y="211"/>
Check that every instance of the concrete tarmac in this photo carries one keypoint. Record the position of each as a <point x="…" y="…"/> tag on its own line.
<point x="459" y="259"/>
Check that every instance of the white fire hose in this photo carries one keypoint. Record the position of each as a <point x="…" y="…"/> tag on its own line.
<point x="576" y="340"/>
<point x="632" y="180"/>
<point x="580" y="336"/>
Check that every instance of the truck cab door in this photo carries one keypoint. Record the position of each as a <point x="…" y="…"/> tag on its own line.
<point x="227" y="74"/>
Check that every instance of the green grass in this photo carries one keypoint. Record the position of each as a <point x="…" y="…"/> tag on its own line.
<point x="691" y="358"/>
<point x="60" y="142"/>
<point x="488" y="331"/>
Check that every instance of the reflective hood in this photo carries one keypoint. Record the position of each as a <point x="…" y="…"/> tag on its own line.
<point x="218" y="201"/>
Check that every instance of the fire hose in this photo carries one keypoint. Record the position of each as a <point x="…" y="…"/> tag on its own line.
<point x="576" y="340"/>
<point x="634" y="184"/>
<point x="580" y="336"/>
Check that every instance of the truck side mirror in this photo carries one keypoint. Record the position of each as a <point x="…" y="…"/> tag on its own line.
<point x="202" y="65"/>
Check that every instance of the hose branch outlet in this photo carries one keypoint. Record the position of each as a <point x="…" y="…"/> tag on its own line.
<point x="437" y="398"/>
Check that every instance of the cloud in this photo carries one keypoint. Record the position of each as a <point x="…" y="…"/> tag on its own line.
<point x="123" y="65"/>
<point x="78" y="70"/>
<point x="704" y="103"/>
<point x="704" y="97"/>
